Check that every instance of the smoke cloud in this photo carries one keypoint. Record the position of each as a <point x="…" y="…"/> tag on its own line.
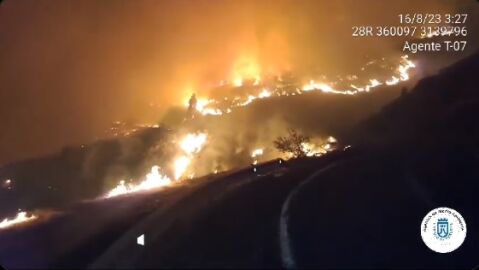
<point x="70" y="68"/>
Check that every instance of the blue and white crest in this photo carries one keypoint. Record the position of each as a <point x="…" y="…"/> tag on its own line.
<point x="443" y="228"/>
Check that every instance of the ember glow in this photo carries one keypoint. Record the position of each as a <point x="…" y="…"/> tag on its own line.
<point x="7" y="184"/>
<point x="22" y="217"/>
<point x="122" y="129"/>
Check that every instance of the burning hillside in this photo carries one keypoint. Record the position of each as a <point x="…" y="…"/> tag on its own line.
<point x="241" y="91"/>
<point x="188" y="147"/>
<point x="215" y="137"/>
<point x="188" y="161"/>
<point x="22" y="217"/>
<point x="219" y="133"/>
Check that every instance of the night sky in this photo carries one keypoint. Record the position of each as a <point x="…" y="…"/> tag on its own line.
<point x="70" y="68"/>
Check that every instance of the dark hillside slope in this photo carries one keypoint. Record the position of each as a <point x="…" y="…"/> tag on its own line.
<point x="441" y="109"/>
<point x="85" y="172"/>
<point x="419" y="153"/>
<point x="76" y="173"/>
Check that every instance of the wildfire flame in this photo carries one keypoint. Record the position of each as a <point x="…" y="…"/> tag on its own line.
<point x="394" y="80"/>
<point x="190" y="145"/>
<point x="238" y="82"/>
<point x="209" y="106"/>
<point x="325" y="88"/>
<point x="331" y="139"/>
<point x="312" y="149"/>
<point x="265" y="93"/>
<point x="317" y="147"/>
<point x="244" y="71"/>
<point x="202" y="103"/>
<point x="404" y="68"/>
<point x="181" y="164"/>
<point x="153" y="180"/>
<point x="246" y="68"/>
<point x="22" y="217"/>
<point x="255" y="154"/>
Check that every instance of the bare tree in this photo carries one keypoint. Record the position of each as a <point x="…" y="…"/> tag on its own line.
<point x="292" y="143"/>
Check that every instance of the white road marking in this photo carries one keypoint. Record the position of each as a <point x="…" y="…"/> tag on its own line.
<point x="141" y="240"/>
<point x="287" y="254"/>
<point x="120" y="247"/>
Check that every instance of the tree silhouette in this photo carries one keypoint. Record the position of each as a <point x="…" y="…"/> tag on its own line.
<point x="292" y="143"/>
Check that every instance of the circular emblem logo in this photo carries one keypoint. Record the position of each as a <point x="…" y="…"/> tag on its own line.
<point x="443" y="230"/>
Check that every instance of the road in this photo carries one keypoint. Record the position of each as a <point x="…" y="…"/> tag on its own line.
<point x="366" y="212"/>
<point x="186" y="220"/>
<point x="228" y="223"/>
<point x="327" y="212"/>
